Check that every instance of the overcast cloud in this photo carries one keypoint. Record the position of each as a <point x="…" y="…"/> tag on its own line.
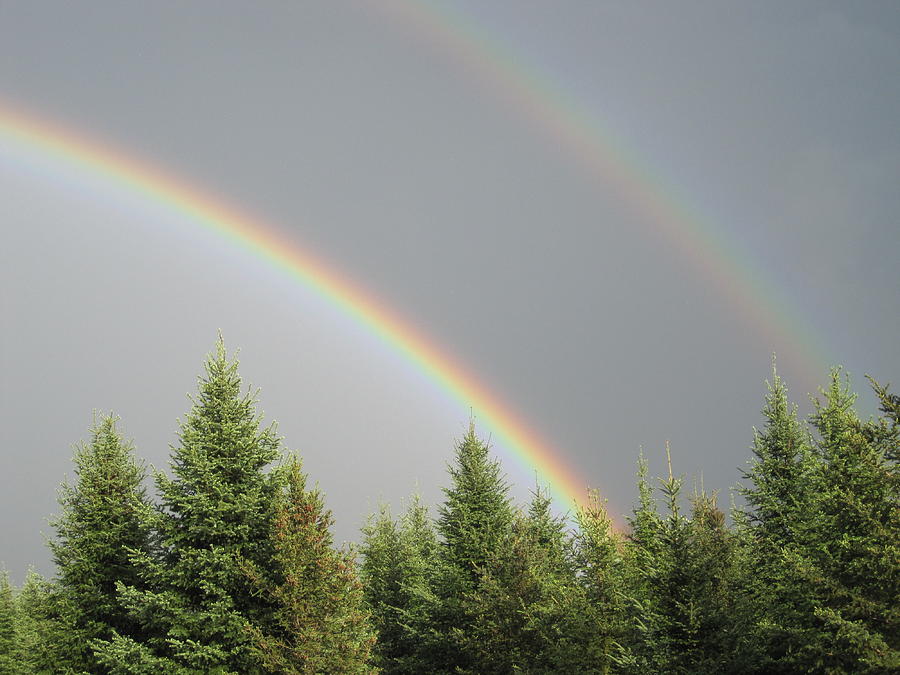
<point x="369" y="144"/>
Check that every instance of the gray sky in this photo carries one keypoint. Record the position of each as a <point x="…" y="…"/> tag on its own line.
<point x="403" y="163"/>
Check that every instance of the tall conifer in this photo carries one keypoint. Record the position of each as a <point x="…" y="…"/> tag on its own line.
<point x="601" y="561"/>
<point x="9" y="650"/>
<point x="853" y="562"/>
<point x="216" y="512"/>
<point x="474" y="524"/>
<point x="320" y="623"/>
<point x="103" y="524"/>
<point x="778" y="517"/>
<point x="398" y="560"/>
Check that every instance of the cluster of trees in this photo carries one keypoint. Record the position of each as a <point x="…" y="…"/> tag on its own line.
<point x="232" y="567"/>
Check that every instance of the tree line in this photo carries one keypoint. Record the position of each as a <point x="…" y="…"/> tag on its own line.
<point x="231" y="567"/>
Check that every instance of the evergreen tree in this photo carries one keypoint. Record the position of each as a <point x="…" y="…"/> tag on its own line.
<point x="601" y="569"/>
<point x="102" y="525"/>
<point x="853" y="561"/>
<point x="474" y="524"/>
<point x="40" y="636"/>
<point x="9" y="651"/>
<point x="398" y="561"/>
<point x="320" y="625"/>
<point x="642" y="646"/>
<point x="777" y="517"/>
<point x="888" y="426"/>
<point x="541" y="611"/>
<point x="779" y="495"/>
<point x="671" y="585"/>
<point x="680" y="582"/>
<point x="718" y="608"/>
<point x="216" y="514"/>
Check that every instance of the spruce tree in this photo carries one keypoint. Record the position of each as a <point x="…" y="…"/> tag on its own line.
<point x="397" y="564"/>
<point x="195" y="601"/>
<point x="644" y="557"/>
<point x="540" y="610"/>
<point x="679" y="583"/>
<point x="853" y="562"/>
<point x="102" y="525"/>
<point x="474" y="524"/>
<point x="779" y="493"/>
<point x="320" y="623"/>
<point x="601" y="568"/>
<point x="777" y="517"/>
<point x="677" y="645"/>
<point x="718" y="607"/>
<point x="9" y="651"/>
<point x="42" y="640"/>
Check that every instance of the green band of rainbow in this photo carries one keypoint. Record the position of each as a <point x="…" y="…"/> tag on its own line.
<point x="63" y="149"/>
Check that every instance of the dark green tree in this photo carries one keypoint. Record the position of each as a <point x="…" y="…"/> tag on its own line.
<point x="853" y="561"/>
<point x="475" y="526"/>
<point x="40" y="636"/>
<point x="9" y="646"/>
<point x="680" y="581"/>
<point x="642" y="648"/>
<point x="777" y="517"/>
<point x="778" y="496"/>
<point x="720" y="625"/>
<point x="601" y="564"/>
<point x="195" y="600"/>
<point x="540" y="613"/>
<point x="320" y="621"/>
<point x="397" y="564"/>
<point x="103" y="524"/>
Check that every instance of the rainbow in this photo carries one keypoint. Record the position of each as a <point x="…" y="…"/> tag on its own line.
<point x="575" y="130"/>
<point x="582" y="135"/>
<point x="62" y="149"/>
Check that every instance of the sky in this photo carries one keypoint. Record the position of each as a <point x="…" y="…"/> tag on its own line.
<point x="609" y="215"/>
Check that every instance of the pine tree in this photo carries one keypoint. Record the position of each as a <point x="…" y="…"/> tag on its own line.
<point x="216" y="514"/>
<point x="102" y="525"/>
<point x="41" y="637"/>
<point x="320" y="625"/>
<point x="9" y="651"/>
<point x="889" y="425"/>
<point x="601" y="570"/>
<point x="398" y="561"/>
<point x="547" y="613"/>
<point x="474" y="524"/>
<point x="777" y="517"/>
<point x="679" y="582"/>
<point x="853" y="561"/>
<point x="672" y="584"/>
<point x="779" y="495"/>
<point x="718" y="608"/>
<point x="642" y="650"/>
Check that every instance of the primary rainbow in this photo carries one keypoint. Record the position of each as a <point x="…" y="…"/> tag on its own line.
<point x="604" y="156"/>
<point x="63" y="149"/>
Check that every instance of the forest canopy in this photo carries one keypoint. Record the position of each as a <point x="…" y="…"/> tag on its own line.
<point x="226" y="563"/>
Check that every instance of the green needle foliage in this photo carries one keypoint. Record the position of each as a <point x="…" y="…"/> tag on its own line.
<point x="398" y="561"/>
<point x="320" y="623"/>
<point x="42" y="639"/>
<point x="234" y="570"/>
<point x="777" y="518"/>
<point x="103" y="524"/>
<point x="601" y="566"/>
<point x="9" y="648"/>
<point x="475" y="527"/>
<point x="195" y="601"/>
<point x="854" y="560"/>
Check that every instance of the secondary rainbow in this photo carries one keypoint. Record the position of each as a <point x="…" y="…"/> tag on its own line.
<point x="62" y="149"/>
<point x="606" y="157"/>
